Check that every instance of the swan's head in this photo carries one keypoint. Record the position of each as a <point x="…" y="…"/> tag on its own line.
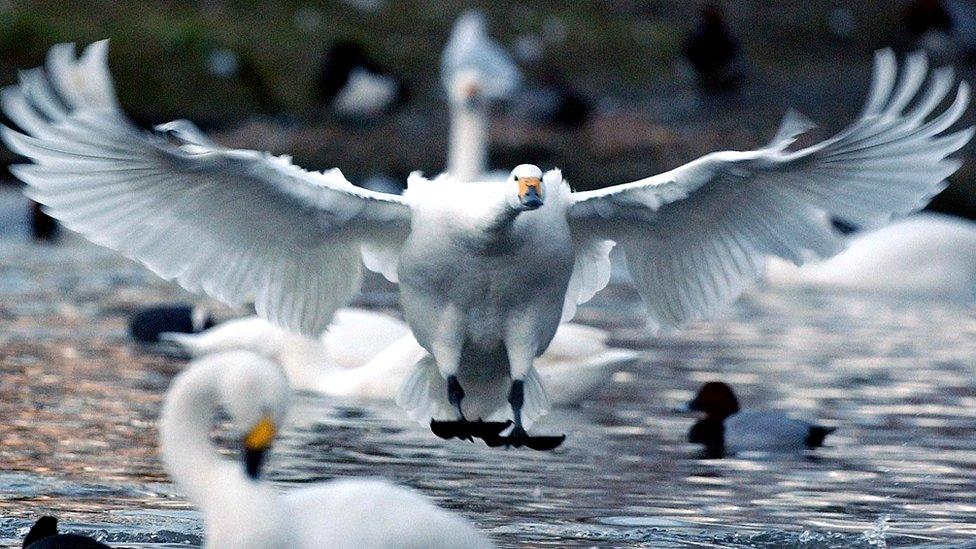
<point x="467" y="88"/>
<point x="255" y="394"/>
<point x="526" y="180"/>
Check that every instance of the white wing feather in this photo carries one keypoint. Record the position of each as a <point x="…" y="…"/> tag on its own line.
<point x="696" y="236"/>
<point x="239" y="225"/>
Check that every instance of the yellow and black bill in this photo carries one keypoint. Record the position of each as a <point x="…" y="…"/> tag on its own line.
<point x="256" y="444"/>
<point x="530" y="192"/>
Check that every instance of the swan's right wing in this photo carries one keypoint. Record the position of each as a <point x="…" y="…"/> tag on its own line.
<point x="239" y="225"/>
<point x="697" y="235"/>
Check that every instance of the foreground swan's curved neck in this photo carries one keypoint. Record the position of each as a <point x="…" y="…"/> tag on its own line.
<point x="468" y="146"/>
<point x="187" y="451"/>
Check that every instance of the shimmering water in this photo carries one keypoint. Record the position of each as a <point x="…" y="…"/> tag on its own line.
<point x="78" y="404"/>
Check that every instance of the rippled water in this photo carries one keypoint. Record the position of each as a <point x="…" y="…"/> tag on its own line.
<point x="78" y="404"/>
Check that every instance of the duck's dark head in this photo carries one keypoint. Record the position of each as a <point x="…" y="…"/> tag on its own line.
<point x="716" y="400"/>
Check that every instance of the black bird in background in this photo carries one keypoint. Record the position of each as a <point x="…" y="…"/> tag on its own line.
<point x="714" y="52"/>
<point x="354" y="85"/>
<point x="44" y="535"/>
<point x="43" y="226"/>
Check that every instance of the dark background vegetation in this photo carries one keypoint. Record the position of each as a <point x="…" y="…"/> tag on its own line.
<point x="623" y="56"/>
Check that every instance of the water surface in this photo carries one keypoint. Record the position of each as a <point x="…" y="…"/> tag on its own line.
<point x="79" y="402"/>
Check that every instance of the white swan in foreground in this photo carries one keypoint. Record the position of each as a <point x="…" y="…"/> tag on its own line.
<point x="367" y="355"/>
<point x="240" y="510"/>
<point x="486" y="270"/>
<point x="922" y="254"/>
<point x="475" y="70"/>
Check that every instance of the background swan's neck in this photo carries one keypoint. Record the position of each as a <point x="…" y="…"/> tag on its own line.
<point x="189" y="456"/>
<point x="468" y="146"/>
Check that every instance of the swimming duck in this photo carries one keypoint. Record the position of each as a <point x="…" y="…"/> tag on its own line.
<point x="486" y="270"/>
<point x="726" y="430"/>
<point x="366" y="354"/>
<point x="44" y="535"/>
<point x="149" y="323"/>
<point x="241" y="510"/>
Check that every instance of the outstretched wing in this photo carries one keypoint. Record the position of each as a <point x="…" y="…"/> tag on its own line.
<point x="239" y="225"/>
<point x="696" y="236"/>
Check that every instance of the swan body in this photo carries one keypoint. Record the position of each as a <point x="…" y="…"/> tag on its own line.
<point x="240" y="510"/>
<point x="486" y="270"/>
<point x="368" y="355"/>
<point x="922" y="254"/>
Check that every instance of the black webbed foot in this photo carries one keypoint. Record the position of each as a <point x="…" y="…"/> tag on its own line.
<point x="519" y="438"/>
<point x="468" y="430"/>
<point x="447" y="430"/>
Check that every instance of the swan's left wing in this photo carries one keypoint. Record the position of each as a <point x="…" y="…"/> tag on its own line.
<point x="696" y="236"/>
<point x="239" y="225"/>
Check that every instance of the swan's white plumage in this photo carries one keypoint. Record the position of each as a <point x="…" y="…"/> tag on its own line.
<point x="922" y="254"/>
<point x="365" y="354"/>
<point x="695" y="237"/>
<point x="239" y="511"/>
<point x="195" y="213"/>
<point x="483" y="279"/>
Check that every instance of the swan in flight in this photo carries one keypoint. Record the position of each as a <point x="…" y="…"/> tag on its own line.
<point x="367" y="355"/>
<point x="486" y="270"/>
<point x="240" y="510"/>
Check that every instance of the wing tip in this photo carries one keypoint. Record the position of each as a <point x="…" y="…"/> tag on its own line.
<point x="793" y="125"/>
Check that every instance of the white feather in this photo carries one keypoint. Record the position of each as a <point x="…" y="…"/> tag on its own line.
<point x="370" y="355"/>
<point x="696" y="236"/>
<point x="239" y="225"/>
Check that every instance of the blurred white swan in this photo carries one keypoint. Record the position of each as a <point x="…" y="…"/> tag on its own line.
<point x="922" y="254"/>
<point x="240" y="510"/>
<point x="475" y="70"/>
<point x="486" y="270"/>
<point x="367" y="355"/>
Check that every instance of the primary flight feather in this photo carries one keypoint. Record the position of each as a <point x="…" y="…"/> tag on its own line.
<point x="484" y="268"/>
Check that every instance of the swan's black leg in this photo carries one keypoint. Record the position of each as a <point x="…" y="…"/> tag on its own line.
<point x="455" y="393"/>
<point x="518" y="437"/>
<point x="462" y="428"/>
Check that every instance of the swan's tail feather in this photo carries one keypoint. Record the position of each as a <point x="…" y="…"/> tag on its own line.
<point x="423" y="395"/>
<point x="536" y="399"/>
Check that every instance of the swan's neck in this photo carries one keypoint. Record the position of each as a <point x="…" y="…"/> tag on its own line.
<point x="500" y="219"/>
<point x="468" y="147"/>
<point x="191" y="459"/>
